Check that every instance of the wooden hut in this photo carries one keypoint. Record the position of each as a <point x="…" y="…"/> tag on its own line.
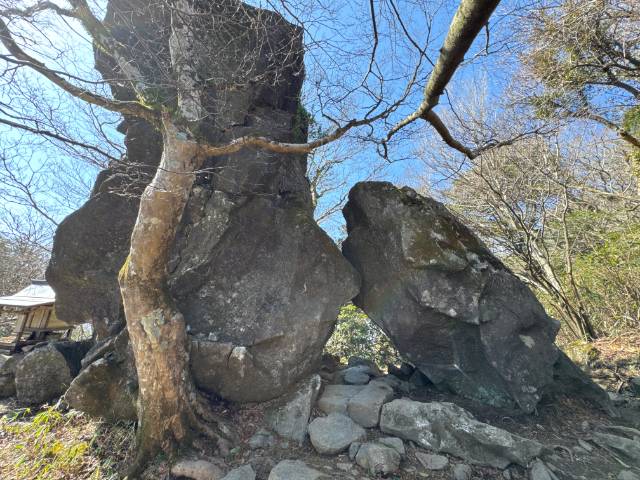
<point x="35" y="318"/>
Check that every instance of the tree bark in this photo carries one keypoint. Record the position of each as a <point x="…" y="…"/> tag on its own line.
<point x="168" y="411"/>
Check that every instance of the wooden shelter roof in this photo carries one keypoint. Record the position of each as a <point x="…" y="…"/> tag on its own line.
<point x="37" y="294"/>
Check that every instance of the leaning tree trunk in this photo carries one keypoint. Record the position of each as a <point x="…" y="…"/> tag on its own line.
<point x="168" y="408"/>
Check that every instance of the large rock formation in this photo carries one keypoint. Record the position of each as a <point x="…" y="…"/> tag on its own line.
<point x="450" y="307"/>
<point x="259" y="283"/>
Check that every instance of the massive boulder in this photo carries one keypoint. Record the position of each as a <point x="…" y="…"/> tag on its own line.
<point x="259" y="283"/>
<point x="449" y="306"/>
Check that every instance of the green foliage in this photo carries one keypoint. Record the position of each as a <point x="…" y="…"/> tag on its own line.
<point x="39" y="454"/>
<point x="302" y="122"/>
<point x="609" y="280"/>
<point x="356" y="335"/>
<point x="581" y="352"/>
<point x="631" y="120"/>
<point x="53" y="445"/>
<point x="579" y="54"/>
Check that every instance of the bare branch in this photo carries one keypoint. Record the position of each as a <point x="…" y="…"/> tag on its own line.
<point x="127" y="108"/>
<point x="55" y="136"/>
<point x="470" y="18"/>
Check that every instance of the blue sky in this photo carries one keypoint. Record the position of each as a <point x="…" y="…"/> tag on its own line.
<point x="339" y="41"/>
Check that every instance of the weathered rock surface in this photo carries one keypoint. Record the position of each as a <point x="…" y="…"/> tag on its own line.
<point x="259" y="283"/>
<point x="623" y="442"/>
<point x="628" y="475"/>
<point x="355" y="376"/>
<point x="393" y="442"/>
<point x="364" y="407"/>
<point x="46" y="372"/>
<point x="462" y="472"/>
<point x="390" y="380"/>
<point x="449" y="306"/>
<point x="334" y="433"/>
<point x="447" y="428"/>
<point x="402" y="372"/>
<point x="290" y="418"/>
<point x="431" y="461"/>
<point x="335" y="398"/>
<point x="569" y="379"/>
<point x="41" y="376"/>
<point x="539" y="471"/>
<point x="261" y="439"/>
<point x="295" y="470"/>
<point x="107" y="387"/>
<point x="197" y="470"/>
<point x="244" y="472"/>
<point x="378" y="459"/>
<point x="634" y="386"/>
<point x="8" y="375"/>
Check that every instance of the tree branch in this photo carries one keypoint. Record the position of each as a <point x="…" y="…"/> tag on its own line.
<point x="436" y="122"/>
<point x="55" y="136"/>
<point x="470" y="18"/>
<point x="126" y="108"/>
<point x="624" y="135"/>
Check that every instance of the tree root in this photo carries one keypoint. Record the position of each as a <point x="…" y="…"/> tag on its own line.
<point x="200" y="423"/>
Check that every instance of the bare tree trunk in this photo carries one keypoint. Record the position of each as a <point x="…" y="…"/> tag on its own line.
<point x="168" y="411"/>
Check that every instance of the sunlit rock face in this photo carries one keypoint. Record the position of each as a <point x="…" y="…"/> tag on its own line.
<point x="259" y="282"/>
<point x="450" y="307"/>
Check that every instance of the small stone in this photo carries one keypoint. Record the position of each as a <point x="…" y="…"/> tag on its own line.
<point x="355" y="376"/>
<point x="628" y="475"/>
<point x="506" y="474"/>
<point x="462" y="472"/>
<point x="364" y="408"/>
<point x="261" y="439"/>
<point x="584" y="426"/>
<point x="539" y="471"/>
<point x="363" y="362"/>
<point x="244" y="472"/>
<point x="197" y="470"/>
<point x="8" y="374"/>
<point x="345" y="467"/>
<point x="290" y="417"/>
<point x="390" y="380"/>
<point x="335" y="398"/>
<point x="353" y="450"/>
<point x="395" y="443"/>
<point x="432" y="462"/>
<point x="334" y="433"/>
<point x="378" y="459"/>
<point x="295" y="470"/>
